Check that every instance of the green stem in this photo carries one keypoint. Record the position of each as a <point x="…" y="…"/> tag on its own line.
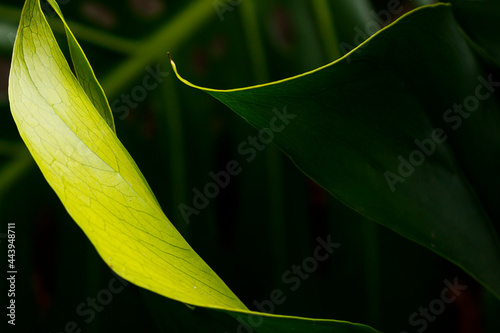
<point x="9" y="14"/>
<point x="327" y="28"/>
<point x="96" y="37"/>
<point x="309" y="47"/>
<point x="273" y="155"/>
<point x="83" y="32"/>
<point x="254" y="42"/>
<point x="168" y="38"/>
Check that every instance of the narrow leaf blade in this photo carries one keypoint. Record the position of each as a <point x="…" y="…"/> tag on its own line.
<point x="85" y="73"/>
<point x="95" y="177"/>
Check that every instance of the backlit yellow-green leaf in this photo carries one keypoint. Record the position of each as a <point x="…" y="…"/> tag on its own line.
<point x="95" y="177"/>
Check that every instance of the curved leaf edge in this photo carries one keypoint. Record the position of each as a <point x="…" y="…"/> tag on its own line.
<point x="291" y="78"/>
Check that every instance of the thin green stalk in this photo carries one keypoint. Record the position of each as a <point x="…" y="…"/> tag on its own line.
<point x="83" y="32"/>
<point x="326" y="25"/>
<point x="10" y="14"/>
<point x="168" y="38"/>
<point x="309" y="46"/>
<point x="254" y="42"/>
<point x="273" y="155"/>
<point x="96" y="37"/>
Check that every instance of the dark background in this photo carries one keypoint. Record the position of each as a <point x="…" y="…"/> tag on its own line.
<point x="264" y="222"/>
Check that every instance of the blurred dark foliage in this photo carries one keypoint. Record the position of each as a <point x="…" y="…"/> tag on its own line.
<point x="264" y="222"/>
